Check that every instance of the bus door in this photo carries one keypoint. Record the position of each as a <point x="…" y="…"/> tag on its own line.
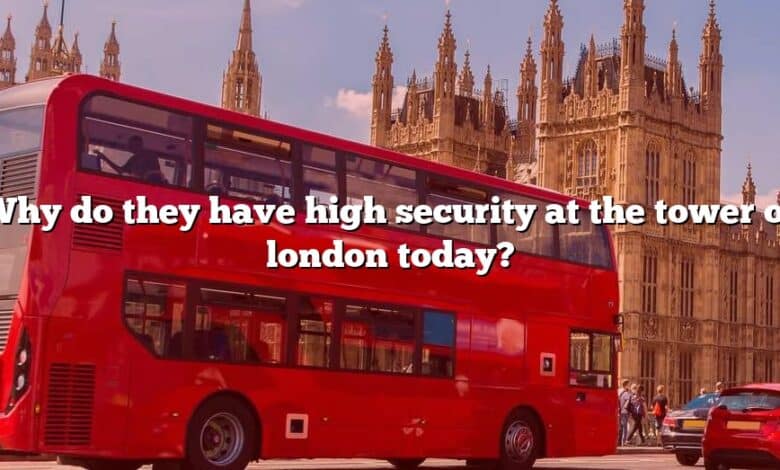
<point x="593" y="397"/>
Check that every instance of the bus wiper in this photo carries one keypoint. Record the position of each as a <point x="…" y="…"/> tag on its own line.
<point x="755" y="408"/>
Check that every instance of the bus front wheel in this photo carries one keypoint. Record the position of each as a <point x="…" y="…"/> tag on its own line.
<point x="222" y="434"/>
<point x="406" y="464"/>
<point x="520" y="441"/>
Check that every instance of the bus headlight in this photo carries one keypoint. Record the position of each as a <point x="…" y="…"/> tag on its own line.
<point x="21" y="369"/>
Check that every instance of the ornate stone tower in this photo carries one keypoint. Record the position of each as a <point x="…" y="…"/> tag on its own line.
<point x="242" y="83"/>
<point x="527" y="94"/>
<point x="442" y="118"/>
<point x="110" y="67"/>
<point x="41" y="54"/>
<point x="7" y="57"/>
<point x="382" y="92"/>
<point x="698" y="301"/>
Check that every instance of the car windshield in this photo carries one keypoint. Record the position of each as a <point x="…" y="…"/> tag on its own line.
<point x="707" y="400"/>
<point x="751" y="400"/>
<point x="20" y="130"/>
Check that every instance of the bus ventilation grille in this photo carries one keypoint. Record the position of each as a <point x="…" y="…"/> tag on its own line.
<point x="6" y="314"/>
<point x="17" y="176"/>
<point x="101" y="236"/>
<point x="69" y="408"/>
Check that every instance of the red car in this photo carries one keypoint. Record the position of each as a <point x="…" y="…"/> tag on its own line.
<point x="743" y="430"/>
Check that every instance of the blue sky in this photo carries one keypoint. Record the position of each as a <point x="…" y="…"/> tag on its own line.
<point x="316" y="56"/>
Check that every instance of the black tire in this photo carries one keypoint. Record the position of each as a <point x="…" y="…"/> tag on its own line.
<point x="406" y="464"/>
<point x="521" y="441"/>
<point x="687" y="459"/>
<point x="99" y="464"/>
<point x="710" y="464"/>
<point x="482" y="464"/>
<point x="222" y="434"/>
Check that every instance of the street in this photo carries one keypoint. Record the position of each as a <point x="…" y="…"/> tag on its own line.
<point x="616" y="462"/>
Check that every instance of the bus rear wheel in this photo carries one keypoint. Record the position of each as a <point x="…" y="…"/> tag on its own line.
<point x="406" y="464"/>
<point x="99" y="464"/>
<point x="520" y="441"/>
<point x="222" y="435"/>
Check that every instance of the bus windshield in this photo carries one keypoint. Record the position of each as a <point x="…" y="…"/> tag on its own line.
<point x="20" y="130"/>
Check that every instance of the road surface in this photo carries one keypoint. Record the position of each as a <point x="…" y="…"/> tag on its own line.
<point x="617" y="462"/>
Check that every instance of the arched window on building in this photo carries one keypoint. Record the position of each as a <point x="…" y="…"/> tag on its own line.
<point x="652" y="174"/>
<point x="587" y="164"/>
<point x="689" y="179"/>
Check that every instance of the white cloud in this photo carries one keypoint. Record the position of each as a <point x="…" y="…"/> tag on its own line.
<point x="358" y="104"/>
<point x="762" y="200"/>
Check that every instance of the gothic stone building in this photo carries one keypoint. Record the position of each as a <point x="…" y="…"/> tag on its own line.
<point x="445" y="119"/>
<point x="699" y="302"/>
<point x="51" y="56"/>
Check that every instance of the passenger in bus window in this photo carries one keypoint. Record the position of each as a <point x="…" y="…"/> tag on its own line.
<point x="142" y="164"/>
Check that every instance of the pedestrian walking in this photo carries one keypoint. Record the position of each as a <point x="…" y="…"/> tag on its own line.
<point x="638" y="411"/>
<point x="660" y="408"/>
<point x="624" y="397"/>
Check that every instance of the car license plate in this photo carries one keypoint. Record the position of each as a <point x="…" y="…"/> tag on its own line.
<point x="693" y="424"/>
<point x="743" y="425"/>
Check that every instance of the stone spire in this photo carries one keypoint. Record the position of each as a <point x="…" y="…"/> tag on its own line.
<point x="749" y="187"/>
<point x="242" y="83"/>
<point x="488" y="104"/>
<point x="527" y="93"/>
<point x="7" y="57"/>
<point x="591" y="71"/>
<point x="382" y="91"/>
<point x="711" y="62"/>
<point x="76" y="58"/>
<point x="674" y="87"/>
<point x="61" y="61"/>
<point x="552" y="50"/>
<point x="466" y="80"/>
<point x="412" y="100"/>
<point x="445" y="71"/>
<point x="41" y="53"/>
<point x="110" y="67"/>
<point x="632" y="52"/>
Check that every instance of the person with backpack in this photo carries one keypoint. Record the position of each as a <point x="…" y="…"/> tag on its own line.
<point x="624" y="396"/>
<point x="638" y="410"/>
<point x="660" y="408"/>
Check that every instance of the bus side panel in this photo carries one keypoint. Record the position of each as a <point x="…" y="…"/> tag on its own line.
<point x="86" y="381"/>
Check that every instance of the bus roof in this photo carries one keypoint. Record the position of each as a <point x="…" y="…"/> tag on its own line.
<point x="28" y="94"/>
<point x="37" y="92"/>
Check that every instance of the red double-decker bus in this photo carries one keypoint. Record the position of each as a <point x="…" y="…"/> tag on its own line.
<point x="128" y="344"/>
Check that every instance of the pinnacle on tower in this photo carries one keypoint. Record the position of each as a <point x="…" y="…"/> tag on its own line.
<point x="711" y="61"/>
<point x="7" y="57"/>
<point x="245" y="31"/>
<point x="633" y="36"/>
<point x="591" y="73"/>
<point x="552" y="51"/>
<point x="242" y="83"/>
<point x="674" y="86"/>
<point x="110" y="67"/>
<point x="445" y="71"/>
<point x="466" y="80"/>
<point x="382" y="91"/>
<point x="75" y="55"/>
<point x="749" y="187"/>
<point x="41" y="53"/>
<point x="61" y="54"/>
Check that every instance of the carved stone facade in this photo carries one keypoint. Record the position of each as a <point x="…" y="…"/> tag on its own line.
<point x="699" y="302"/>
<point x="445" y="119"/>
<point x="51" y="56"/>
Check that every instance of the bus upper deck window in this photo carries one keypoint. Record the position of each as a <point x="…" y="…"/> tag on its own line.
<point x="136" y="141"/>
<point x="247" y="165"/>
